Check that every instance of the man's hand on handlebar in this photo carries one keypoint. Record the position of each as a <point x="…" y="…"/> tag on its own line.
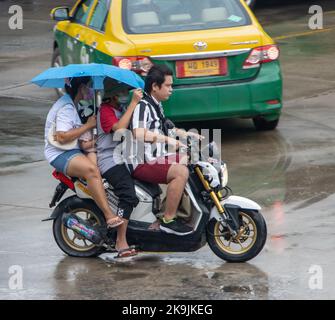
<point x="176" y="144"/>
<point x="184" y="134"/>
<point x="195" y="136"/>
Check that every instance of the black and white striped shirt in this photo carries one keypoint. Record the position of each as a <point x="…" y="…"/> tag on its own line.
<point x="146" y="116"/>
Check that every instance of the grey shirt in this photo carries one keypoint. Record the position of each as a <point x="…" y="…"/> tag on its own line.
<point x="107" y="151"/>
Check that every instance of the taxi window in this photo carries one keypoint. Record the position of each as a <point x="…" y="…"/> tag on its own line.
<point x="155" y="16"/>
<point x="82" y="11"/>
<point x="100" y="14"/>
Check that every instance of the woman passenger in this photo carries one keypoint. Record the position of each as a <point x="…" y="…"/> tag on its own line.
<point x="69" y="128"/>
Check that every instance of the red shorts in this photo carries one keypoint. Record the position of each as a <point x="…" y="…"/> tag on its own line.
<point x="155" y="171"/>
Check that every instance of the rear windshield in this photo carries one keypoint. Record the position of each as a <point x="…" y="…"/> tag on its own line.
<point x="157" y="16"/>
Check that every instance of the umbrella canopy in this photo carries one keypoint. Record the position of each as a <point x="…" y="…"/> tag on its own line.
<point x="55" y="77"/>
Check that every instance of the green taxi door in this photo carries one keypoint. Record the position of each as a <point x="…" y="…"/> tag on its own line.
<point x="79" y="32"/>
<point x="95" y="38"/>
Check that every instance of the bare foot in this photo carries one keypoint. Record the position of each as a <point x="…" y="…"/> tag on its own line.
<point x="114" y="222"/>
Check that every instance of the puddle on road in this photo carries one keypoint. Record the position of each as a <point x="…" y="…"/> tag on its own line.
<point x="155" y="276"/>
<point x="21" y="131"/>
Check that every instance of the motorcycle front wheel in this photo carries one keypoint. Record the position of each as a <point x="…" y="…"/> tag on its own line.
<point x="70" y="242"/>
<point x="246" y="245"/>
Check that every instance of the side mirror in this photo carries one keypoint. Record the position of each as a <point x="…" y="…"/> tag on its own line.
<point x="60" y="14"/>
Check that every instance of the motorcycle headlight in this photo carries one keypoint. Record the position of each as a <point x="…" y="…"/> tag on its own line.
<point x="224" y="175"/>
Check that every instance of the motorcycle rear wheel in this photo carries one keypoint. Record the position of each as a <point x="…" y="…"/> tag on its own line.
<point x="69" y="241"/>
<point x="247" y="245"/>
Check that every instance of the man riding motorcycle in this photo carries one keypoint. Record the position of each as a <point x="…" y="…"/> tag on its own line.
<point x="158" y="166"/>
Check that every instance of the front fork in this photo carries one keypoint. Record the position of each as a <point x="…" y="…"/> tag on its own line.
<point x="230" y="218"/>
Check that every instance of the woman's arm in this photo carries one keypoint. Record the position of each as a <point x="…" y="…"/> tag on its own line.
<point x="68" y="136"/>
<point x="123" y="123"/>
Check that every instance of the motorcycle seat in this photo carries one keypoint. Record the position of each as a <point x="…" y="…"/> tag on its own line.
<point x="153" y="189"/>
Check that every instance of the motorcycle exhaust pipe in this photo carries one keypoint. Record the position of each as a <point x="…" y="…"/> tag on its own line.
<point x="79" y="226"/>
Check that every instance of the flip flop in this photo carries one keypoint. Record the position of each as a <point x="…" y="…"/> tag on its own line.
<point x="127" y="252"/>
<point x="114" y="222"/>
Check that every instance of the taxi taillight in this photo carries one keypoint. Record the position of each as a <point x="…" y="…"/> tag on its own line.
<point x="140" y="65"/>
<point x="260" y="55"/>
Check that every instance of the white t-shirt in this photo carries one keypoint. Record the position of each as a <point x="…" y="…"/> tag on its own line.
<point x="67" y="119"/>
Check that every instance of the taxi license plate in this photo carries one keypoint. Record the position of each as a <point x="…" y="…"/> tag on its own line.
<point x="201" y="68"/>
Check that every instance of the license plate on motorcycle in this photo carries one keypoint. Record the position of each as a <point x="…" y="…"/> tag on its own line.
<point x="201" y="68"/>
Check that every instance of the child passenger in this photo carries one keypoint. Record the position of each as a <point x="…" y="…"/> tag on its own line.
<point x="111" y="118"/>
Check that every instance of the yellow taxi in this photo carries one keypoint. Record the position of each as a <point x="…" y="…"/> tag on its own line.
<point x="224" y="63"/>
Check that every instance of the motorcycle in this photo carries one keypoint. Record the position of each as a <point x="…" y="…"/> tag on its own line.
<point x="233" y="226"/>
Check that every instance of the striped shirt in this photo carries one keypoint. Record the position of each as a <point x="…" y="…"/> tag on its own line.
<point x="146" y="116"/>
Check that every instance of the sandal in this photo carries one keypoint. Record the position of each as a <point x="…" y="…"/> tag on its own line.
<point x="114" y="222"/>
<point x="127" y="252"/>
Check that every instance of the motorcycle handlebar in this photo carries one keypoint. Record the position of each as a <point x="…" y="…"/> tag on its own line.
<point x="192" y="148"/>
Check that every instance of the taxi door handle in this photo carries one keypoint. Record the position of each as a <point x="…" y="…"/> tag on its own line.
<point x="76" y="38"/>
<point x="93" y="46"/>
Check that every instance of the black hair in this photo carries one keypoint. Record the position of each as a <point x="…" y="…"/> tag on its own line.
<point x="75" y="85"/>
<point x="156" y="75"/>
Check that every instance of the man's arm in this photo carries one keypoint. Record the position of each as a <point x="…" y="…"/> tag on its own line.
<point x="184" y="134"/>
<point x="140" y="131"/>
<point x="146" y="135"/>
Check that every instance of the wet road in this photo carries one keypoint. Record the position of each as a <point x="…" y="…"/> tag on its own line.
<point x="290" y="172"/>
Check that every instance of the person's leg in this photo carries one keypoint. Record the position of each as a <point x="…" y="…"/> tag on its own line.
<point x="93" y="157"/>
<point x="166" y="171"/>
<point x="121" y="239"/>
<point x="123" y="187"/>
<point x="81" y="167"/>
<point x="176" y="178"/>
<point x="175" y="175"/>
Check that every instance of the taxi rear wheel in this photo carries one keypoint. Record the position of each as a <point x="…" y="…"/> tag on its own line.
<point x="251" y="3"/>
<point x="56" y="61"/>
<point x="261" y="124"/>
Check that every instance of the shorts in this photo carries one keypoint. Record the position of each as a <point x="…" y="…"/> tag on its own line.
<point x="156" y="171"/>
<point x="62" y="161"/>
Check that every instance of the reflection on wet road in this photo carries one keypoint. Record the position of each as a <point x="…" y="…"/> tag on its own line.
<point x="163" y="277"/>
<point x="21" y="128"/>
<point x="290" y="172"/>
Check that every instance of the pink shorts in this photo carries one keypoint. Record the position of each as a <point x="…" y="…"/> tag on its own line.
<point x="155" y="171"/>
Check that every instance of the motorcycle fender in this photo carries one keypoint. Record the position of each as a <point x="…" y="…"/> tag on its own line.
<point x="53" y="216"/>
<point x="215" y="215"/>
<point x="243" y="203"/>
<point x="62" y="207"/>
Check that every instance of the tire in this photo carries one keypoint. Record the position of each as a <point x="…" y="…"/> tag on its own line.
<point x="251" y="3"/>
<point x="63" y="235"/>
<point x="261" y="124"/>
<point x="217" y="242"/>
<point x="56" y="61"/>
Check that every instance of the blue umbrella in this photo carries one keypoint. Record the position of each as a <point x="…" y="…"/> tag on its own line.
<point x="55" y="77"/>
